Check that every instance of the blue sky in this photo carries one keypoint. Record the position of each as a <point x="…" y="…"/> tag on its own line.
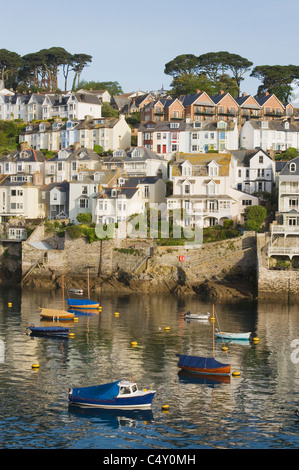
<point x="131" y="41"/>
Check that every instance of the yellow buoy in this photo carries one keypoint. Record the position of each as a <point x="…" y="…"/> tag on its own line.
<point x="236" y="374"/>
<point x="76" y="319"/>
<point x="35" y="366"/>
<point x="134" y="343"/>
<point x="71" y="335"/>
<point x="224" y="348"/>
<point x="255" y="340"/>
<point x="165" y="407"/>
<point x="212" y="319"/>
<point x="116" y="314"/>
<point x="167" y="328"/>
<point x="9" y="304"/>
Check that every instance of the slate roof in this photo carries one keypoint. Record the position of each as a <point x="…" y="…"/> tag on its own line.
<point x="29" y="155"/>
<point x="146" y="154"/>
<point x="286" y="169"/>
<point x="81" y="154"/>
<point x="275" y="125"/>
<point x="121" y="191"/>
<point x="62" y="186"/>
<point x="244" y="156"/>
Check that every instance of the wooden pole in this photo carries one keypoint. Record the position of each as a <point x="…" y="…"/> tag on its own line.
<point x="62" y="280"/>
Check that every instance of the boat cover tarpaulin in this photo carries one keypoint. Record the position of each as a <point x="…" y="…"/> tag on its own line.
<point x="198" y="362"/>
<point x="98" y="392"/>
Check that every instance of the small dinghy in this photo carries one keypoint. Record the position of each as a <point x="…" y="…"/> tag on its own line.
<point x="76" y="291"/>
<point x="225" y="335"/>
<point x="122" y="394"/>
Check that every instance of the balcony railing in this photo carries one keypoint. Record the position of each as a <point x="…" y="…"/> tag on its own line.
<point x="285" y="229"/>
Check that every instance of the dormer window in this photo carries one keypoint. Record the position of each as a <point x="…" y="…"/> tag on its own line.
<point x="286" y="125"/>
<point x="136" y="153"/>
<point x="24" y="154"/>
<point x="28" y="128"/>
<point x="118" y="153"/>
<point x="174" y="125"/>
<point x="213" y="169"/>
<point x="292" y="167"/>
<point x="264" y="124"/>
<point x="186" y="169"/>
<point x="113" y="193"/>
<point x="121" y="181"/>
<point x="221" y="125"/>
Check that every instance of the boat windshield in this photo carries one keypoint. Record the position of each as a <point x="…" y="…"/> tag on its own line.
<point x="134" y="388"/>
<point x="124" y="390"/>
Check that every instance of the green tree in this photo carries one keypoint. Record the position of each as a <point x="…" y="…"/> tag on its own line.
<point x="114" y="88"/>
<point x="255" y="217"/>
<point x="188" y="84"/>
<point x="238" y="66"/>
<point x="184" y="64"/>
<point x="79" y="62"/>
<point x="108" y="111"/>
<point x="276" y="79"/>
<point x="9" y="65"/>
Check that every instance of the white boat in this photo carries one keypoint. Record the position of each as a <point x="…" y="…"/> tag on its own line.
<point x="197" y="316"/>
<point x="76" y="291"/>
<point x="225" y="335"/>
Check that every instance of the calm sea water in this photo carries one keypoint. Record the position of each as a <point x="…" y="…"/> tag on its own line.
<point x="253" y="411"/>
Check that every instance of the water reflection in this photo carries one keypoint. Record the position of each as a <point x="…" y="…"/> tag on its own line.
<point x="255" y="409"/>
<point x="113" y="418"/>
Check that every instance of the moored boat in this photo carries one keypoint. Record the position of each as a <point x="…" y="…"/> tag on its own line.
<point x="53" y="314"/>
<point x="84" y="304"/>
<point x="49" y="330"/>
<point x="197" y="316"/>
<point x="203" y="365"/>
<point x="225" y="335"/>
<point x="76" y="291"/>
<point x="121" y="394"/>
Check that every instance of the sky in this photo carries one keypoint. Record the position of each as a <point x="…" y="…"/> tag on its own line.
<point x="131" y="41"/>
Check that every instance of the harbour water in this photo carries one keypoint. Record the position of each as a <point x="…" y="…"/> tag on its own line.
<point x="253" y="411"/>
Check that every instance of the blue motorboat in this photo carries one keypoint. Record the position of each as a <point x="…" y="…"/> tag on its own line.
<point x="122" y="394"/>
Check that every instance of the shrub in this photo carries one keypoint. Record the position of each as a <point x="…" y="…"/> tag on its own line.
<point x="75" y="231"/>
<point x="84" y="218"/>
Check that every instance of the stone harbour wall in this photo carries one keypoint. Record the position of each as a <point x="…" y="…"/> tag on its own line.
<point x="137" y="265"/>
<point x="274" y="284"/>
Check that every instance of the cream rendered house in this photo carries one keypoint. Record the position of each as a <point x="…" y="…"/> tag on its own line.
<point x="203" y="186"/>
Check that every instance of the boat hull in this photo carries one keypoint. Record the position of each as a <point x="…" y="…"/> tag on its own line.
<point x="84" y="304"/>
<point x="53" y="314"/>
<point x="49" y="331"/>
<point x="135" y="403"/>
<point x="109" y="396"/>
<point x="243" y="336"/>
<point x="203" y="365"/>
